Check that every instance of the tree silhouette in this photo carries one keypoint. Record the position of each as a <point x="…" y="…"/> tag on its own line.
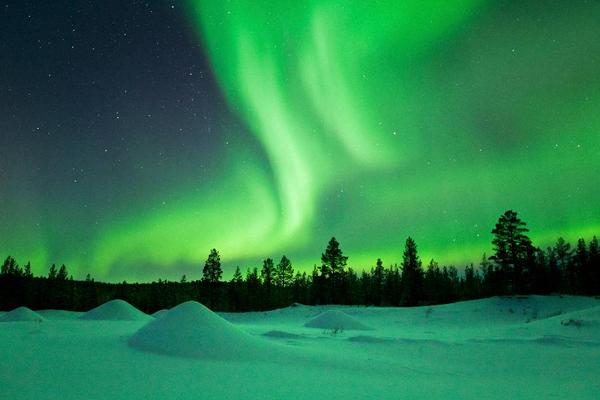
<point x="212" y="272"/>
<point x="412" y="274"/>
<point x="27" y="271"/>
<point x="62" y="274"/>
<point x="332" y="267"/>
<point x="377" y="282"/>
<point x="10" y="267"/>
<point x="53" y="272"/>
<point x="512" y="248"/>
<point x="284" y="273"/>
<point x="266" y="274"/>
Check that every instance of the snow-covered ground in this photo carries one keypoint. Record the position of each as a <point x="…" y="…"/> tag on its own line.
<point x="499" y="348"/>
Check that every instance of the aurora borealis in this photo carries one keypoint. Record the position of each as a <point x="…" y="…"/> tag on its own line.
<point x="137" y="136"/>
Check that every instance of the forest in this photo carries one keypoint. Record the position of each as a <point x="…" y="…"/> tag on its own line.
<point x="515" y="267"/>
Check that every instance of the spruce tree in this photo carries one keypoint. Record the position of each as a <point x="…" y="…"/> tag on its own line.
<point x="284" y="273"/>
<point x="237" y="276"/>
<point x="412" y="274"/>
<point x="27" y="270"/>
<point x="212" y="272"/>
<point x="266" y="274"/>
<point x="10" y="267"/>
<point x="53" y="272"/>
<point x="62" y="274"/>
<point x="377" y="282"/>
<point x="512" y="248"/>
<point x="333" y="262"/>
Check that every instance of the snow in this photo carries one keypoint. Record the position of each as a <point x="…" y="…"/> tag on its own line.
<point x="21" y="314"/>
<point x="192" y="330"/>
<point x="336" y="320"/>
<point x="59" y="314"/>
<point x="116" y="310"/>
<point x="532" y="347"/>
<point x="160" y="313"/>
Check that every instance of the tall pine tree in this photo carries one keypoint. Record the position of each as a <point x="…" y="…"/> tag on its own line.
<point x="333" y="262"/>
<point x="412" y="274"/>
<point x="512" y="250"/>
<point x="212" y="272"/>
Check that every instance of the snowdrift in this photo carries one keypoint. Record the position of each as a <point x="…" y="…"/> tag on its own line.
<point x="160" y="313"/>
<point x="60" y="315"/>
<point x="192" y="330"/>
<point x="116" y="310"/>
<point x="338" y="320"/>
<point x="21" y="314"/>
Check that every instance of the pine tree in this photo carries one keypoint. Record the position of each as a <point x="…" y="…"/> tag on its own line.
<point x="53" y="272"/>
<point x="62" y="274"/>
<point x="266" y="274"/>
<point x="512" y="248"/>
<point x="27" y="271"/>
<point x="284" y="273"/>
<point x="237" y="276"/>
<point x="377" y="282"/>
<point x="412" y="274"/>
<point x="332" y="268"/>
<point x="10" y="267"/>
<point x="212" y="272"/>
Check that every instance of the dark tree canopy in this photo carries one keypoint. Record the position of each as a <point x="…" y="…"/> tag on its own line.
<point x="412" y="273"/>
<point x="513" y="251"/>
<point x="515" y="267"/>
<point x="284" y="272"/>
<point x="212" y="272"/>
<point x="333" y="262"/>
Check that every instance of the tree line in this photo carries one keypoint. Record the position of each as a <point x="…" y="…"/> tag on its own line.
<point x="516" y="266"/>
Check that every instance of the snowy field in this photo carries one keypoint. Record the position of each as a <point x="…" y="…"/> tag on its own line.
<point x="531" y="347"/>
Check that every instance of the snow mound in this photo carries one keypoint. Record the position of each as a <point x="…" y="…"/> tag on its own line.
<point x="583" y="318"/>
<point x="192" y="330"/>
<point x="21" y="314"/>
<point x="160" y="313"/>
<point x="334" y="319"/>
<point x="116" y="310"/>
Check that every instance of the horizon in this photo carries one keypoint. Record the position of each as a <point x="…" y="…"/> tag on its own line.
<point x="194" y="272"/>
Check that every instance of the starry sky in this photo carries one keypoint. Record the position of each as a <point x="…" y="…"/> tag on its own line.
<point x="137" y="135"/>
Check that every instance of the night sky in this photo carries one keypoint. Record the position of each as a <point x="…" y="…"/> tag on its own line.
<point x="135" y="136"/>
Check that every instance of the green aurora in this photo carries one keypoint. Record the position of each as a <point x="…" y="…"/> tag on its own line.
<point x="374" y="121"/>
